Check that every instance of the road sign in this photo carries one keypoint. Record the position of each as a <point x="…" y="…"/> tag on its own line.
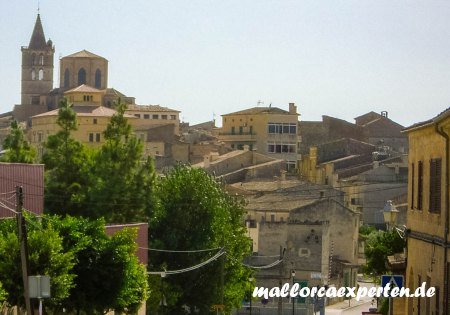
<point x="394" y="280"/>
<point x="39" y="286"/>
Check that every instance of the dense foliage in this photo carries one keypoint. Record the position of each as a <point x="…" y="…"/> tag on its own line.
<point x="379" y="245"/>
<point x="17" y="148"/>
<point x="195" y="213"/>
<point x="80" y="259"/>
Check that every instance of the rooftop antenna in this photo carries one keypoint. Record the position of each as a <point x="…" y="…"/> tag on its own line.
<point x="214" y="116"/>
<point x="259" y="103"/>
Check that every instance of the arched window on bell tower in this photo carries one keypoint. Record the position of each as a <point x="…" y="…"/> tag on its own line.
<point x="66" y="78"/>
<point x="33" y="59"/>
<point x="41" y="74"/>
<point x="98" y="78"/>
<point x="81" y="76"/>
<point x="33" y="75"/>
<point x="41" y="59"/>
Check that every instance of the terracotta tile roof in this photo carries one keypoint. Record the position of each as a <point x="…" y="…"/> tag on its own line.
<point x="83" y="54"/>
<point x="84" y="88"/>
<point x="86" y="111"/>
<point x="151" y="108"/>
<point x="113" y="91"/>
<point x="259" y="110"/>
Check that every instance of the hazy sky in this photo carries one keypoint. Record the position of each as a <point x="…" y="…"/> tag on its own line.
<point x="338" y="58"/>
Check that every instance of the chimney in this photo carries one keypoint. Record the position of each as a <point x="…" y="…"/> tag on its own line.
<point x="384" y="114"/>
<point x="292" y="108"/>
<point x="206" y="161"/>
<point x="283" y="175"/>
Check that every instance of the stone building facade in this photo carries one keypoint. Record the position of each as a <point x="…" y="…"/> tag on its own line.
<point x="428" y="219"/>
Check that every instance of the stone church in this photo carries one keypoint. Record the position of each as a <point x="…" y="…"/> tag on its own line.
<point x="83" y="67"/>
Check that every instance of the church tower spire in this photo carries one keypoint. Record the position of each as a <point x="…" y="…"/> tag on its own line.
<point x="37" y="67"/>
<point x="37" y="40"/>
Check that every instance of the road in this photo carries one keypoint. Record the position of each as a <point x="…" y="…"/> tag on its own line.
<point x="357" y="310"/>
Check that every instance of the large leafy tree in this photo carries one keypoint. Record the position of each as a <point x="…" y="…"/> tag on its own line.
<point x="196" y="213"/>
<point x="67" y="163"/>
<point x="108" y="274"/>
<point x="379" y="245"/>
<point x="18" y="149"/>
<point x="46" y="257"/>
<point x="123" y="183"/>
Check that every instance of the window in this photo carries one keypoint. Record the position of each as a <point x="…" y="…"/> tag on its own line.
<point x="272" y="218"/>
<point x="241" y="130"/>
<point x="276" y="147"/>
<point x="81" y="76"/>
<point x="412" y="185"/>
<point x="41" y="59"/>
<point x="250" y="130"/>
<point x="420" y="185"/>
<point x="95" y="121"/>
<point x="240" y="147"/>
<point x="33" y="59"/>
<point x="97" y="137"/>
<point x="88" y="98"/>
<point x="35" y="100"/>
<point x="98" y="78"/>
<point x="40" y="137"/>
<point x="146" y="116"/>
<point x="173" y="117"/>
<point x="155" y="116"/>
<point x="232" y="145"/>
<point x="91" y="137"/>
<point x="282" y="128"/>
<point x="290" y="166"/>
<point x="435" y="185"/>
<point x="41" y="74"/>
<point x="137" y="115"/>
<point x="233" y="130"/>
<point x="66" y="78"/>
<point x="33" y="75"/>
<point x="164" y="117"/>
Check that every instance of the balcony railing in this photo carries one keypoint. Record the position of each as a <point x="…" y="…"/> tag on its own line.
<point x="245" y="136"/>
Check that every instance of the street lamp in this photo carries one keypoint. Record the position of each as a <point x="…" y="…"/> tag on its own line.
<point x="390" y="214"/>
<point x="293" y="299"/>
<point x="163" y="301"/>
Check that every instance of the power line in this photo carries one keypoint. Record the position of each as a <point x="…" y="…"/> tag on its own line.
<point x="180" y="251"/>
<point x="170" y="272"/>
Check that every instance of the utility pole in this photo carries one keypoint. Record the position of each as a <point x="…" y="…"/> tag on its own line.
<point x="23" y="242"/>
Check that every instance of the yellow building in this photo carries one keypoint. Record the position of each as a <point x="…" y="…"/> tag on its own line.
<point x="92" y="121"/>
<point x="428" y="213"/>
<point x="267" y="130"/>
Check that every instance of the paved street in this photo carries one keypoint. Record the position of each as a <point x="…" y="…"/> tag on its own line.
<point x="356" y="307"/>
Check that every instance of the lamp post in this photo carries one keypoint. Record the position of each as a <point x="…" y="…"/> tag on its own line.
<point x="162" y="302"/>
<point x="390" y="214"/>
<point x="293" y="299"/>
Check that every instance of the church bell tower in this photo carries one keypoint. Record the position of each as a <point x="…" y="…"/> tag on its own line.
<point x="37" y="66"/>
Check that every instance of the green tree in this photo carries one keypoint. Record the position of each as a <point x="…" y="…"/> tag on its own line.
<point x="99" y="257"/>
<point x="46" y="257"/>
<point x="123" y="184"/>
<point x="196" y="213"/>
<point x="3" y="295"/>
<point x="18" y="149"/>
<point x="379" y="245"/>
<point x="67" y="163"/>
